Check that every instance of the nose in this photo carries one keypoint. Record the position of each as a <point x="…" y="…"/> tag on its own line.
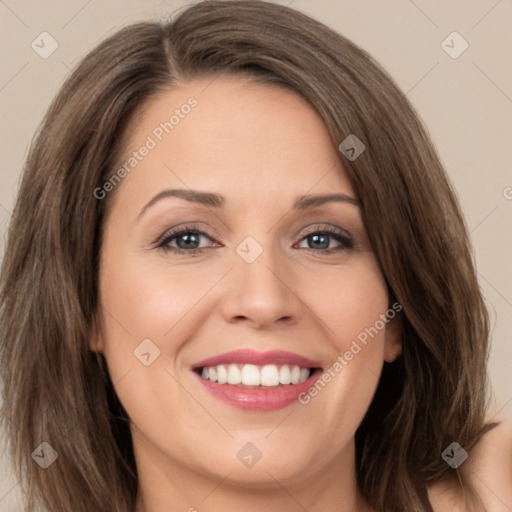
<point x="263" y="293"/>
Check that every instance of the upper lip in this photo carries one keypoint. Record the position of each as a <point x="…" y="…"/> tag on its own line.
<point x="258" y="358"/>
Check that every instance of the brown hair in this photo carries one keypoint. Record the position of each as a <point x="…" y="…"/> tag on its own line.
<point x="55" y="389"/>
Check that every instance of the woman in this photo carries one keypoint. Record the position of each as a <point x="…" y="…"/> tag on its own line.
<point x="237" y="277"/>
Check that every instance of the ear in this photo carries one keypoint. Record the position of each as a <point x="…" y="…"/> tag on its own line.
<point x="393" y="339"/>
<point x="95" y="338"/>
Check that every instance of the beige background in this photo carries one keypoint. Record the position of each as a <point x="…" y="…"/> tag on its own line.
<point x="466" y="103"/>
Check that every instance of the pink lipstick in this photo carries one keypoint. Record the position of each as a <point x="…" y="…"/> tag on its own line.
<point x="258" y="381"/>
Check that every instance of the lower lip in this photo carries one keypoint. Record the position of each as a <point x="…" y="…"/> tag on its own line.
<point x="259" y="399"/>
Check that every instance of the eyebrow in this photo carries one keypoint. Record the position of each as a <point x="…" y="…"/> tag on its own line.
<point x="213" y="200"/>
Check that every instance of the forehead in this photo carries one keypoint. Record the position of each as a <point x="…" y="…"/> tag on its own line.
<point x="250" y="142"/>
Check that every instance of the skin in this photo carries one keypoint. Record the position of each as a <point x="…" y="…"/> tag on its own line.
<point x="488" y="467"/>
<point x="196" y="306"/>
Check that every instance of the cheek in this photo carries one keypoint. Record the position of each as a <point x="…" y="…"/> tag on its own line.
<point x="353" y="308"/>
<point x="142" y="301"/>
<point x="349" y="300"/>
<point x="144" y="315"/>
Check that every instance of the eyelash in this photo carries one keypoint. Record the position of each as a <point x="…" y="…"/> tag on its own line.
<point x="164" y="241"/>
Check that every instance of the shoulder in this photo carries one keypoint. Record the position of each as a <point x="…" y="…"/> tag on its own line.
<point x="488" y="467"/>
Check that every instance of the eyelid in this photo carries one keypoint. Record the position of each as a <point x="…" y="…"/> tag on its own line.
<point x="162" y="242"/>
<point x="179" y="229"/>
<point x="322" y="226"/>
<point x="334" y="231"/>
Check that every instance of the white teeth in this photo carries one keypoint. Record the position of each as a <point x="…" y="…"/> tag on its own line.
<point x="234" y="375"/>
<point x="251" y="375"/>
<point x="295" y="375"/>
<point x="268" y="375"/>
<point x="285" y="376"/>
<point x="222" y="374"/>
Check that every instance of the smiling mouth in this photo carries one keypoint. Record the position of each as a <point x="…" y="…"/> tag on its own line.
<point x="256" y="376"/>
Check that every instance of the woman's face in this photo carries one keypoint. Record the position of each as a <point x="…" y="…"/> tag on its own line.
<point x="271" y="298"/>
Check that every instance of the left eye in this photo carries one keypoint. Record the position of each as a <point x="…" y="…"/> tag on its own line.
<point x="321" y="240"/>
<point x="187" y="240"/>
